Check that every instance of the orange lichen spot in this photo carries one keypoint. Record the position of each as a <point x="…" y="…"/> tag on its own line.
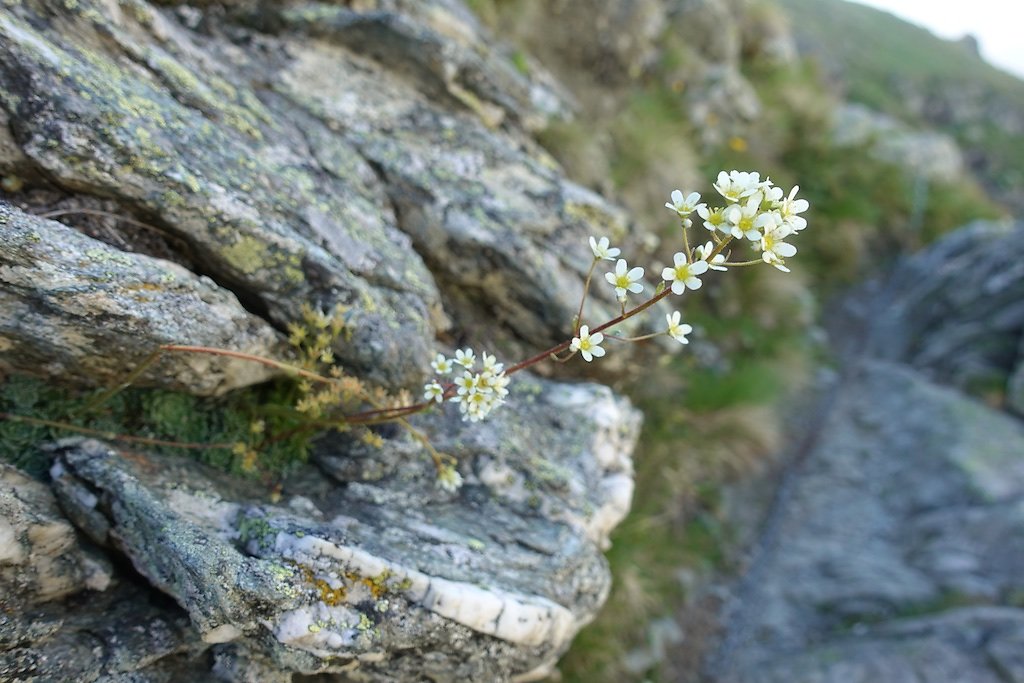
<point x="376" y="584"/>
<point x="328" y="594"/>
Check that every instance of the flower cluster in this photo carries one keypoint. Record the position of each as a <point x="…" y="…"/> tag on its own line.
<point x="476" y="393"/>
<point x="756" y="210"/>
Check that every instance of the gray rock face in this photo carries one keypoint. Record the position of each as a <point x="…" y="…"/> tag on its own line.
<point x="124" y="635"/>
<point x="372" y="155"/>
<point x="895" y="553"/>
<point x="955" y="311"/>
<point x="63" y="614"/>
<point x="388" y="577"/>
<point x="75" y="308"/>
<point x="321" y="154"/>
<point x="40" y="557"/>
<point x="928" y="154"/>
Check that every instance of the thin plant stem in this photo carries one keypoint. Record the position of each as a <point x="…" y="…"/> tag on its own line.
<point x="113" y="436"/>
<point x="586" y="289"/>
<point x="124" y="384"/>
<point x="250" y="357"/>
<point x="645" y="337"/>
<point x="117" y="217"/>
<point x="422" y="438"/>
<point x="755" y="262"/>
<point x="686" y="241"/>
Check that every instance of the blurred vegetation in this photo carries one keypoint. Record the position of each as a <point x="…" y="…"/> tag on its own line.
<point x="713" y="417"/>
<point x="905" y="71"/>
<point x="154" y="414"/>
<point x="714" y="413"/>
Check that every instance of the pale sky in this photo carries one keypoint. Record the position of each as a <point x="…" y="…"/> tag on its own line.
<point x="997" y="24"/>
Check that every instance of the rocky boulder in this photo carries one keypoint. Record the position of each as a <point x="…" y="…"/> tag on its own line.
<point x="299" y="159"/>
<point x="955" y="311"/>
<point x="389" y="576"/>
<point x="214" y="167"/>
<point x="895" y="545"/>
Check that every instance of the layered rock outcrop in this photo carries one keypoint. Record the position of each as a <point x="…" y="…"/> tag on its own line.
<point x="195" y="174"/>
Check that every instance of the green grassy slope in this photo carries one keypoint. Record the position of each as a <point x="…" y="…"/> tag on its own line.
<point x="904" y="70"/>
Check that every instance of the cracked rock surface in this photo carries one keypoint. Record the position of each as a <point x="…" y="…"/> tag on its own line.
<point x="195" y="173"/>
<point x="310" y="153"/>
<point x="387" y="577"/>
<point x="895" y="551"/>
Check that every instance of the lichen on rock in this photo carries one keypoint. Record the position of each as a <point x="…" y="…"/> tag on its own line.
<point x="373" y="156"/>
<point x="390" y="575"/>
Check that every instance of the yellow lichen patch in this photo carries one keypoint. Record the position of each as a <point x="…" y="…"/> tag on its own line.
<point x="247" y="254"/>
<point x="376" y="584"/>
<point x="328" y="594"/>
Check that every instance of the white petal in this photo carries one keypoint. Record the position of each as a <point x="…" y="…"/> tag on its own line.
<point x="610" y="277"/>
<point x="586" y="356"/>
<point x="635" y="273"/>
<point x="679" y="258"/>
<point x="677" y="197"/>
<point x="596" y="338"/>
<point x="785" y="250"/>
<point x="698" y="267"/>
<point x="597" y="351"/>
<point x="678" y="287"/>
<point x="620" y="267"/>
<point x="693" y="283"/>
<point x="668" y="274"/>
<point x="636" y="288"/>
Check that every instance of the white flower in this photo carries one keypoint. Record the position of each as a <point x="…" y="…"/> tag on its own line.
<point x="433" y="392"/>
<point x="714" y="264"/>
<point x="602" y="250"/>
<point x="589" y="345"/>
<point x="790" y="207"/>
<point x="676" y="330"/>
<point x="491" y="364"/>
<point x="770" y="221"/>
<point x="774" y="250"/>
<point x="467" y="384"/>
<point x="499" y="383"/>
<point x="684" y="206"/>
<point x="736" y="185"/>
<point x="713" y="219"/>
<point x="773" y="195"/>
<point x="441" y="364"/>
<point x="684" y="275"/>
<point x="480" y="393"/>
<point x="624" y="281"/>
<point x="741" y="219"/>
<point x="448" y="479"/>
<point x="466" y="358"/>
